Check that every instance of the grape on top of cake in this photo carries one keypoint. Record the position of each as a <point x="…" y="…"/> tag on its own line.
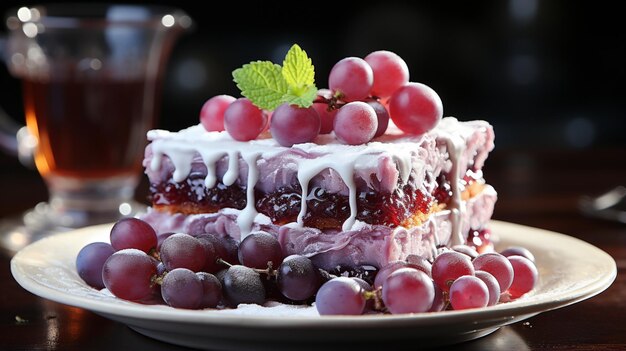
<point x="297" y="194"/>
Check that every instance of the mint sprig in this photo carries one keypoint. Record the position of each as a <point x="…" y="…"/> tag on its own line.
<point x="268" y="85"/>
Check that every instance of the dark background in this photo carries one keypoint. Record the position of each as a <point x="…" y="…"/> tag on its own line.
<point x="546" y="74"/>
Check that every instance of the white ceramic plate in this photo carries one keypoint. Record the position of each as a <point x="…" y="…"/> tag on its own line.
<point x="570" y="271"/>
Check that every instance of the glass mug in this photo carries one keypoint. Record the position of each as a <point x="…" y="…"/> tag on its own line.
<point x="91" y="78"/>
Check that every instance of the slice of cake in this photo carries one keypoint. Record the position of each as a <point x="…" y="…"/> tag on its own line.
<point x="340" y="205"/>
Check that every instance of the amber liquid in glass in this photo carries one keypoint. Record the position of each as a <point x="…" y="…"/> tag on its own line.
<point x="89" y="128"/>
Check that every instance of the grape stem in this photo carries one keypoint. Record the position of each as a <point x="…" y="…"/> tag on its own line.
<point x="269" y="271"/>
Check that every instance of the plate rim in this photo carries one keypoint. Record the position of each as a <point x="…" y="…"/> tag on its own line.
<point x="167" y="314"/>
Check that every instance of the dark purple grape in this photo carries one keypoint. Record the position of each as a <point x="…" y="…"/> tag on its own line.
<point x="231" y="249"/>
<point x="133" y="233"/>
<point x="161" y="269"/>
<point x="243" y="285"/>
<point x="90" y="261"/>
<point x="183" y="251"/>
<point x="182" y="288"/>
<point x="340" y="296"/>
<point x="258" y="249"/>
<point x="209" y="244"/>
<point x="129" y="274"/>
<point x="211" y="290"/>
<point x="297" y="278"/>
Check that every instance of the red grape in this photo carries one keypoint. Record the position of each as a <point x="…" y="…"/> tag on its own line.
<point x="258" y="249"/>
<point x="468" y="291"/>
<point x="291" y="124"/>
<point x="492" y="286"/>
<point x="450" y="265"/>
<point x="133" y="233"/>
<point x="183" y="251"/>
<point x="355" y="123"/>
<point x="212" y="112"/>
<point x="518" y="250"/>
<point x="327" y="116"/>
<point x="408" y="290"/>
<point x="129" y="274"/>
<point x="352" y="77"/>
<point x="340" y="296"/>
<point x="415" y="108"/>
<point x="525" y="276"/>
<point x="497" y="265"/>
<point x="390" y="72"/>
<point x="244" y="121"/>
<point x="381" y="115"/>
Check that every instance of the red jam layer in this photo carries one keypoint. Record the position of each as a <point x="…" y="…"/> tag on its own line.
<point x="405" y="206"/>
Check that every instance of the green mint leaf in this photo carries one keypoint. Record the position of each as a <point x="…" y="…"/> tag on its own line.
<point x="262" y="82"/>
<point x="298" y="69"/>
<point x="301" y="98"/>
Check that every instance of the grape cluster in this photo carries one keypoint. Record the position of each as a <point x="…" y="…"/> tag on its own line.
<point x="195" y="272"/>
<point x="363" y="95"/>
<point x="458" y="278"/>
<point x="207" y="271"/>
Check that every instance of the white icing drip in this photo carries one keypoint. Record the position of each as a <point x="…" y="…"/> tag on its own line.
<point x="231" y="175"/>
<point x="249" y="213"/>
<point x="456" y="146"/>
<point x="210" y="158"/>
<point x="307" y="169"/>
<point x="182" y="147"/>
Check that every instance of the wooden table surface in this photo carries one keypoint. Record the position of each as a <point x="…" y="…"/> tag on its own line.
<point x="536" y="188"/>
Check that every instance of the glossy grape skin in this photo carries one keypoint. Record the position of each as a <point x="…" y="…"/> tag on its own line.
<point x="448" y="266"/>
<point x="297" y="278"/>
<point x="326" y="115"/>
<point x="525" y="276"/>
<point x="352" y="77"/>
<point x="390" y="72"/>
<point x="129" y="273"/>
<point x="465" y="249"/>
<point x="518" y="250"/>
<point x="212" y="112"/>
<point x="439" y="301"/>
<point x="161" y="237"/>
<point x="243" y="120"/>
<point x="211" y="290"/>
<point x="408" y="290"/>
<point x="291" y="124"/>
<point x="382" y="116"/>
<point x="467" y="292"/>
<point x="259" y="248"/>
<point x="183" y="251"/>
<point x="496" y="264"/>
<point x="355" y="123"/>
<point x="181" y="288"/>
<point x="415" y="108"/>
<point x="492" y="286"/>
<point x="393" y="266"/>
<point x="133" y="233"/>
<point x="90" y="260"/>
<point x="243" y="285"/>
<point x="340" y="296"/>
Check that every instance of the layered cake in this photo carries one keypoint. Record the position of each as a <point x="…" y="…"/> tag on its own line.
<point x="340" y="205"/>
